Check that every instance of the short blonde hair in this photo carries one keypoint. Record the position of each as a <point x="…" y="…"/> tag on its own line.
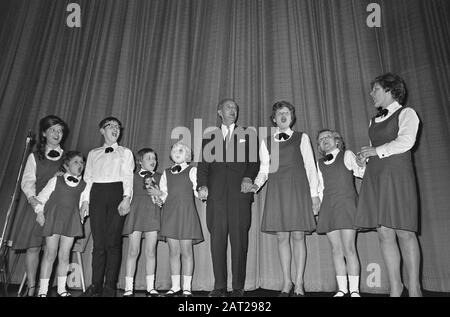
<point x="185" y="147"/>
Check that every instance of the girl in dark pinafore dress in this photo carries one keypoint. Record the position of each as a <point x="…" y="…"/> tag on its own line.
<point x="180" y="223"/>
<point x="292" y="196"/>
<point x="388" y="195"/>
<point x="65" y="202"/>
<point x="338" y="207"/>
<point x="41" y="165"/>
<point x="144" y="218"/>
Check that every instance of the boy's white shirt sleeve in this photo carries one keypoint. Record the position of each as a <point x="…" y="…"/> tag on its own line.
<point x="45" y="193"/>
<point x="84" y="196"/>
<point x="127" y="173"/>
<point x="88" y="174"/>
<point x="264" y="165"/>
<point x="28" y="184"/>
<point x="320" y="186"/>
<point x="163" y="186"/>
<point x="193" y="178"/>
<point x="351" y="165"/>
<point x="310" y="164"/>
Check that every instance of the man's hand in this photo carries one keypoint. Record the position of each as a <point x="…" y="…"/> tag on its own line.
<point x="246" y="185"/>
<point x="40" y="218"/>
<point x="124" y="206"/>
<point x="203" y="193"/>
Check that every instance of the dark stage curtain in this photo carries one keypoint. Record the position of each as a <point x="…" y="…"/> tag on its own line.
<point x="159" y="64"/>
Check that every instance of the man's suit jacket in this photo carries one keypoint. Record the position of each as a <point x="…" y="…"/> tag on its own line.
<point x="239" y="159"/>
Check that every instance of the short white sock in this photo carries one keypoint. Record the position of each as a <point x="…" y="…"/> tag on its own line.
<point x="150" y="282"/>
<point x="43" y="286"/>
<point x="129" y="283"/>
<point x="354" y="283"/>
<point x="342" y="283"/>
<point x="62" y="284"/>
<point x="175" y="282"/>
<point x="187" y="280"/>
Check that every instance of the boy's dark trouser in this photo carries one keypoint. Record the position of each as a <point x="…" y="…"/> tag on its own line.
<point x="106" y="227"/>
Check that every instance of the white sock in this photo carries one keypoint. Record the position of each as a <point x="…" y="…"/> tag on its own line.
<point x="187" y="283"/>
<point x="175" y="282"/>
<point x="129" y="284"/>
<point x="62" y="284"/>
<point x="150" y="282"/>
<point x="342" y="283"/>
<point x="43" y="286"/>
<point x="354" y="283"/>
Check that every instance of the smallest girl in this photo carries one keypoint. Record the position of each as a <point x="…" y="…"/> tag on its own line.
<point x="144" y="219"/>
<point x="338" y="207"/>
<point x="180" y="223"/>
<point x="64" y="201"/>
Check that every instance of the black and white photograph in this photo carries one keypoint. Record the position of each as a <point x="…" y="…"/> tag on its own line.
<point x="224" y="153"/>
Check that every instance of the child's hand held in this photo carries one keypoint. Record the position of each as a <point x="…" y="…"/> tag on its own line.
<point x="40" y="218"/>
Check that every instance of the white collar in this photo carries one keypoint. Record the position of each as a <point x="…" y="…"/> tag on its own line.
<point x="288" y="131"/>
<point x="335" y="153"/>
<point x="393" y="107"/>
<point x="71" y="184"/>
<point x="114" y="146"/>
<point x="144" y="170"/>
<point x="183" y="165"/>
<point x="224" y="128"/>
<point x="57" y="149"/>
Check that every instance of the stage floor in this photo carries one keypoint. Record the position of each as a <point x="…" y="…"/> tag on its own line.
<point x="12" y="292"/>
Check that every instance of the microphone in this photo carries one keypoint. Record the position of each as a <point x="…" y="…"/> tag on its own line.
<point x="29" y="136"/>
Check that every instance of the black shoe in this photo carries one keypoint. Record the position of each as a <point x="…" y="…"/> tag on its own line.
<point x="128" y="294"/>
<point x="92" y="291"/>
<point x="108" y="292"/>
<point x="172" y="293"/>
<point x="186" y="293"/>
<point x="219" y="292"/>
<point x="237" y="293"/>
<point x="152" y="293"/>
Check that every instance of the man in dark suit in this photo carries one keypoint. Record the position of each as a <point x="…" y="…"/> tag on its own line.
<point x="225" y="176"/>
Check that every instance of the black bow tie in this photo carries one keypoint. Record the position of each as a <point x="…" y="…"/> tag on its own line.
<point x="109" y="149"/>
<point x="282" y="136"/>
<point x="146" y="173"/>
<point x="72" y="179"/>
<point x="328" y="157"/>
<point x="176" y="169"/>
<point x="53" y="154"/>
<point x="382" y="113"/>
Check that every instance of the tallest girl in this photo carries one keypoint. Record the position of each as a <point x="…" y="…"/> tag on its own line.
<point x="388" y="196"/>
<point x="41" y="165"/>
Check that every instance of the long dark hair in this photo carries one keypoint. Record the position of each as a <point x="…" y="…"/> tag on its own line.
<point x="44" y="124"/>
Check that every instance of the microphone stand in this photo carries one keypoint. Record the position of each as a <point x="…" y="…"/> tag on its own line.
<point x="4" y="272"/>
